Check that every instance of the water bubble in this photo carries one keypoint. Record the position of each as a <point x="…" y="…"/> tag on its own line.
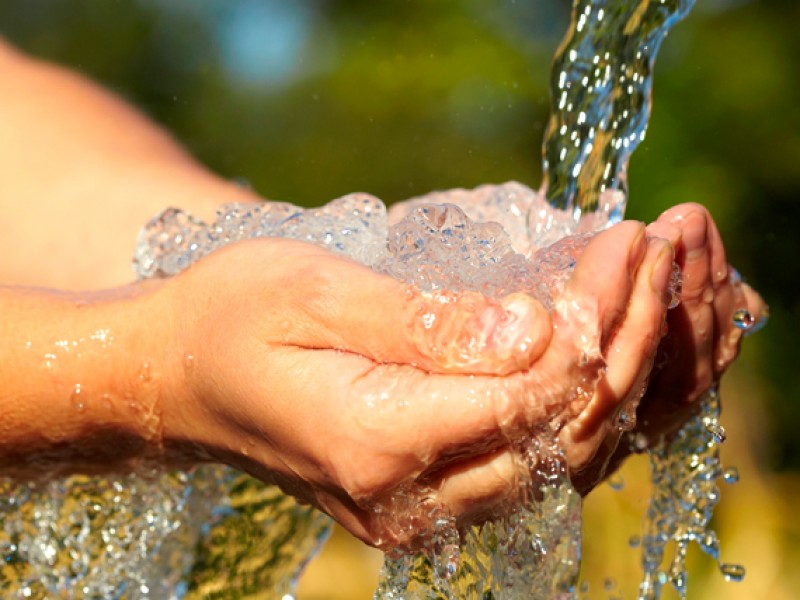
<point x="609" y="584"/>
<point x="626" y="420"/>
<point x="743" y="319"/>
<point x="638" y="442"/>
<point x="730" y="475"/>
<point x="717" y="431"/>
<point x="634" y="541"/>
<point x="446" y="561"/>
<point x="616" y="482"/>
<point x="732" y="572"/>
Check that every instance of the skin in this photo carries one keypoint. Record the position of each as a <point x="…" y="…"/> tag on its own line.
<point x="269" y="355"/>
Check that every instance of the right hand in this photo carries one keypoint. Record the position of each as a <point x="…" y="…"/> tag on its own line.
<point x="313" y="372"/>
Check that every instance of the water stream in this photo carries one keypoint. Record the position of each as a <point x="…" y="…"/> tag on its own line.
<point x="216" y="533"/>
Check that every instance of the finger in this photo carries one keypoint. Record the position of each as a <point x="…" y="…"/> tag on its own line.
<point x="475" y="489"/>
<point x="694" y="252"/>
<point x="469" y="333"/>
<point x="693" y="325"/>
<point x="629" y="357"/>
<point x="597" y="294"/>
<point x="665" y="231"/>
<point x="338" y="304"/>
<point x="374" y="425"/>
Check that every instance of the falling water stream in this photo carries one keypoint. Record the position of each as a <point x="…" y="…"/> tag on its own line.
<point x="217" y="533"/>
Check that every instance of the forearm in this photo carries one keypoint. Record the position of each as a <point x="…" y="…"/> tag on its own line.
<point x="80" y="388"/>
<point x="82" y="172"/>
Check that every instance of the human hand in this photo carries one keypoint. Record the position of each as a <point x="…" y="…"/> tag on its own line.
<point x="701" y="338"/>
<point x="315" y="373"/>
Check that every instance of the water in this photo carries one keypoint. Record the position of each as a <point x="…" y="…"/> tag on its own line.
<point x="439" y="248"/>
<point x="685" y="472"/>
<point x="172" y="535"/>
<point x="600" y="87"/>
<point x="156" y="535"/>
<point x="533" y="552"/>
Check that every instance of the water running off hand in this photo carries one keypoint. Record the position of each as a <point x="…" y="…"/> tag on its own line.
<point x="161" y="536"/>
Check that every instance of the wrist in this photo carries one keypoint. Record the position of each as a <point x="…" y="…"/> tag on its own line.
<point x="82" y="377"/>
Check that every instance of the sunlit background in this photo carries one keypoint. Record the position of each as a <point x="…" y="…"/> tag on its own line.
<point x="310" y="99"/>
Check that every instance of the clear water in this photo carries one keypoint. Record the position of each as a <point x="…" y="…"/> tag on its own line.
<point x="600" y="86"/>
<point x="173" y="535"/>
<point x="685" y="472"/>
<point x="533" y="552"/>
<point x="153" y="535"/>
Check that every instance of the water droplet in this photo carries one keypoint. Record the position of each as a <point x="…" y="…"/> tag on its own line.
<point x="616" y="482"/>
<point x="634" y="541"/>
<point x="77" y="399"/>
<point x="732" y="572"/>
<point x="538" y="546"/>
<point x="731" y="475"/>
<point x="718" y="431"/>
<point x="609" y="584"/>
<point x="639" y="442"/>
<point x="188" y="362"/>
<point x="626" y="420"/>
<point x="675" y="288"/>
<point x="447" y="561"/>
<point x="743" y="319"/>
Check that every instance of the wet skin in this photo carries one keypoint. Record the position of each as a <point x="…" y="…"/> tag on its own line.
<point x="312" y="372"/>
<point x="273" y="356"/>
<point x="340" y="403"/>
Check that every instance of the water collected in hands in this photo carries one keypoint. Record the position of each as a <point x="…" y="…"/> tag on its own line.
<point x="133" y="537"/>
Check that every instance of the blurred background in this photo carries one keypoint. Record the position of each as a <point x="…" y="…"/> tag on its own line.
<point x="310" y="99"/>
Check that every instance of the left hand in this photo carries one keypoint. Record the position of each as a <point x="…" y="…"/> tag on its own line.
<point x="701" y="338"/>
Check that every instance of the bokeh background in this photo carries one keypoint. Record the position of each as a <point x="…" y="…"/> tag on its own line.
<point x="310" y="99"/>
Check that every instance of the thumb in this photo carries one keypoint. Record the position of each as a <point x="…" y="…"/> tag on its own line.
<point x="354" y="309"/>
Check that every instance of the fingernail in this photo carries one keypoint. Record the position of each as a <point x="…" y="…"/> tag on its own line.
<point x="662" y="271"/>
<point x="695" y="234"/>
<point x="665" y="231"/>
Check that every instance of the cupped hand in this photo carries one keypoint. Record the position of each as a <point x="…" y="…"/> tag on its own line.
<point x="701" y="337"/>
<point x="343" y="385"/>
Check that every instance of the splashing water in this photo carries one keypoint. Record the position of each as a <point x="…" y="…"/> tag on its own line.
<point x="152" y="535"/>
<point x="600" y="87"/>
<point x="533" y="552"/>
<point x="601" y="94"/>
<point x="685" y="471"/>
<point x="171" y="535"/>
